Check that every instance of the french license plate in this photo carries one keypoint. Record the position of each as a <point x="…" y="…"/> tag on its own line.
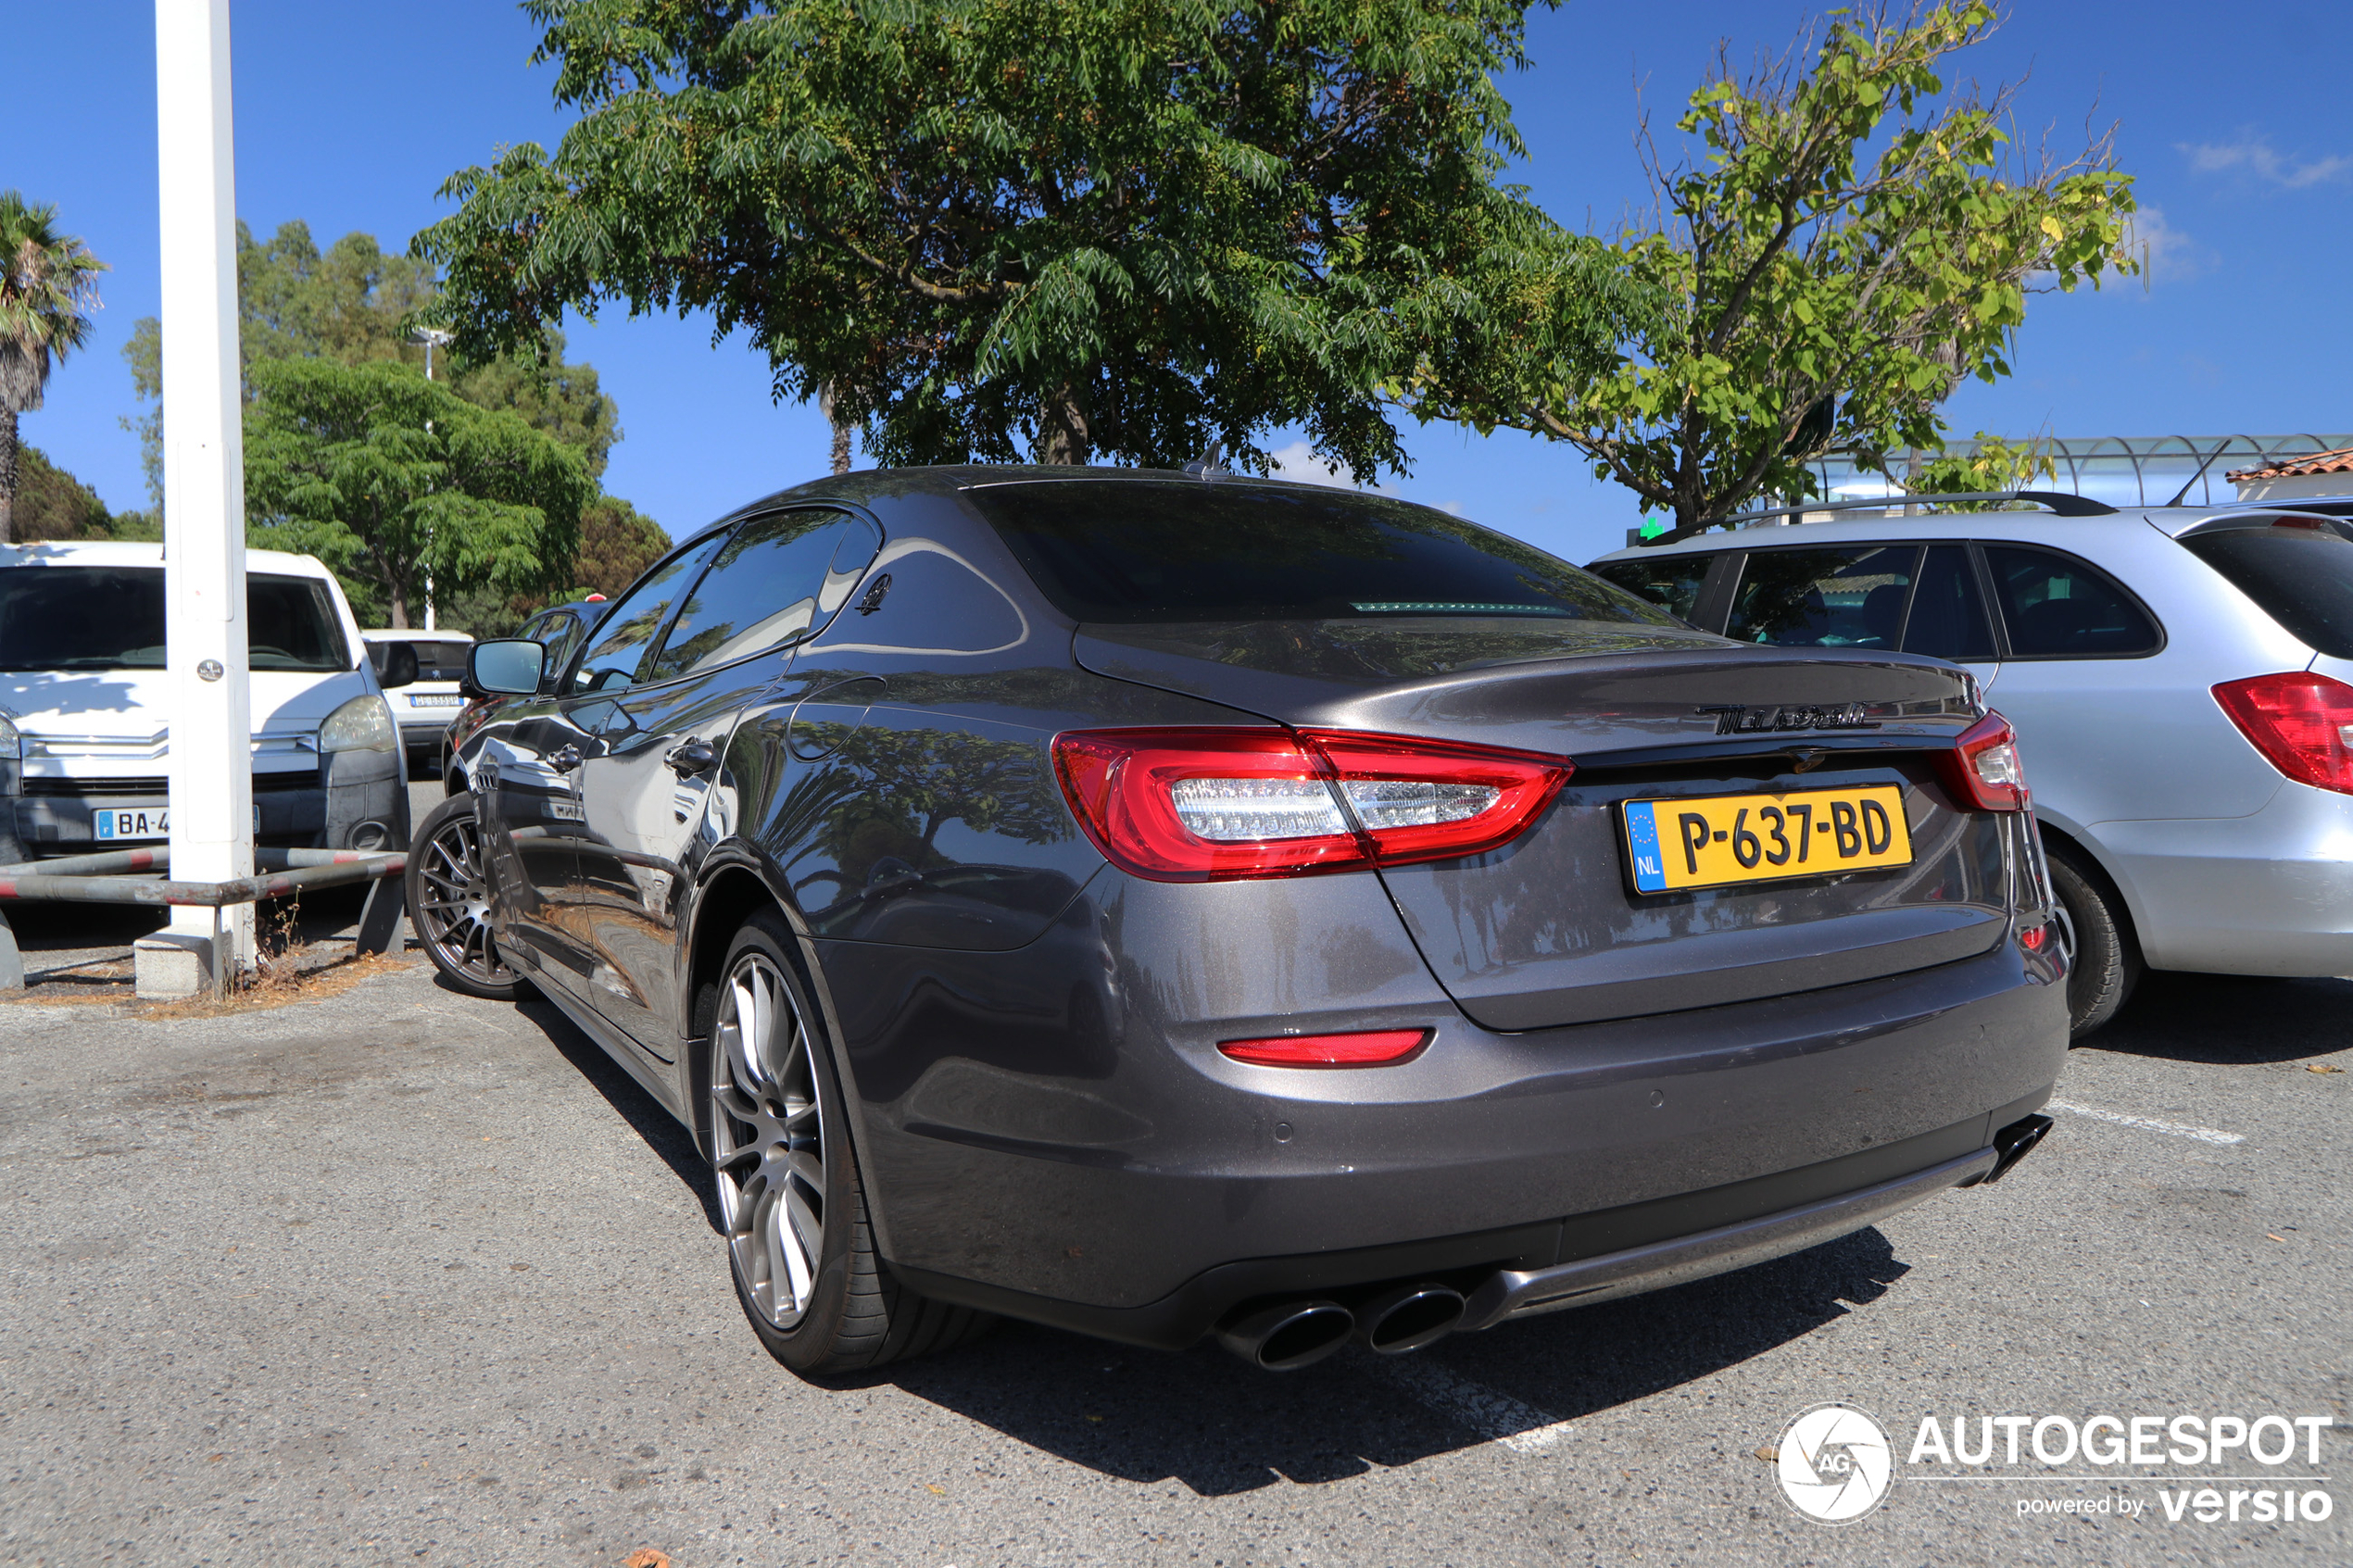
<point x="436" y="699"/>
<point x="1722" y="840"/>
<point x="115" y="826"/>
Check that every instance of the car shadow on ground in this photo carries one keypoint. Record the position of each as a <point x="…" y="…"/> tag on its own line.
<point x="661" y="1131"/>
<point x="2230" y="1018"/>
<point x="1220" y="1427"/>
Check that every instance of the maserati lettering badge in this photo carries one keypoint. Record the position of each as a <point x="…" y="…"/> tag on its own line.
<point x="1733" y="719"/>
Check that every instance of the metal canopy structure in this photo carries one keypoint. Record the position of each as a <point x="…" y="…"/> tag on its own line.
<point x="2124" y="470"/>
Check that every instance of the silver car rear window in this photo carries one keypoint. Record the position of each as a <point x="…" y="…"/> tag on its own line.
<point x="2302" y="577"/>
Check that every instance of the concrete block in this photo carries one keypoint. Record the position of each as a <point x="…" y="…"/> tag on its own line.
<point x="170" y="964"/>
<point x="11" y="961"/>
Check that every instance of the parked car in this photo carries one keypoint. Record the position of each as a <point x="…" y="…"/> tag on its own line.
<point x="1156" y="906"/>
<point x="2178" y="680"/>
<point x="85" y="705"/>
<point x="427" y="704"/>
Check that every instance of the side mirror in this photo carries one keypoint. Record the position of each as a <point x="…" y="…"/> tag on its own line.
<point x="505" y="666"/>
<point x="399" y="667"/>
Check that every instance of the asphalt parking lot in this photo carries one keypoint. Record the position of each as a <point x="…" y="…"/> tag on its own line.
<point x="398" y="1277"/>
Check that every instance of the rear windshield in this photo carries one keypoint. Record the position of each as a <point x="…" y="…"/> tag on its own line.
<point x="1139" y="551"/>
<point x="111" y="618"/>
<point x="436" y="659"/>
<point x="2302" y="577"/>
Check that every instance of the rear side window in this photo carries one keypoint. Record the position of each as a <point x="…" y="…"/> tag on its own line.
<point x="1136" y="550"/>
<point x="1673" y="583"/>
<point x="2302" y="577"/>
<point x="2056" y="606"/>
<point x="1851" y="597"/>
<point x="1948" y="610"/>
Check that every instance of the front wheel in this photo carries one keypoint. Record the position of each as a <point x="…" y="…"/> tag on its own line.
<point x="2107" y="959"/>
<point x="795" y="1211"/>
<point x="449" y="886"/>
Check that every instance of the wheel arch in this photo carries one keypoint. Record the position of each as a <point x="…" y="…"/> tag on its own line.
<point x="2086" y="854"/>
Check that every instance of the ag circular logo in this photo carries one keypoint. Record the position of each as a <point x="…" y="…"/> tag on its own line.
<point x="1835" y="1464"/>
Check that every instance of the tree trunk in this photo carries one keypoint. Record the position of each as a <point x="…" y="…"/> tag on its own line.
<point x="397" y="596"/>
<point x="8" y="476"/>
<point x="841" y="430"/>
<point x="1061" y="428"/>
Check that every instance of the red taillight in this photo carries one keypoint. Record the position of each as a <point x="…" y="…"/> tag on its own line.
<point x="1207" y="805"/>
<point x="2301" y="723"/>
<point x="1984" y="770"/>
<point x="1375" y="1048"/>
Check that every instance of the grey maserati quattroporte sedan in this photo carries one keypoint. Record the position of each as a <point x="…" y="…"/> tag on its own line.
<point x="1163" y="905"/>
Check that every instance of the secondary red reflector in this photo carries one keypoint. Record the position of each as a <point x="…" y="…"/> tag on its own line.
<point x="2032" y="938"/>
<point x="1374" y="1049"/>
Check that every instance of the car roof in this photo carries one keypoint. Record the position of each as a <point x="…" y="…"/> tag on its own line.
<point x="119" y="552"/>
<point x="2025" y="527"/>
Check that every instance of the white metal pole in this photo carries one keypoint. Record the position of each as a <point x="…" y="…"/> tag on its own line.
<point x="211" y="760"/>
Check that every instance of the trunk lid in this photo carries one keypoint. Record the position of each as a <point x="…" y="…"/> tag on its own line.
<point x="1549" y="930"/>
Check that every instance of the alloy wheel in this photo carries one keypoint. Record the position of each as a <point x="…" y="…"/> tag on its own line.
<point x="768" y="1140"/>
<point x="453" y="909"/>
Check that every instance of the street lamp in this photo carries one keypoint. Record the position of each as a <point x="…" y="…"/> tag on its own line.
<point x="432" y="338"/>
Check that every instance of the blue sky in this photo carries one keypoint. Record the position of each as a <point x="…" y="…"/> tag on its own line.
<point x="351" y="117"/>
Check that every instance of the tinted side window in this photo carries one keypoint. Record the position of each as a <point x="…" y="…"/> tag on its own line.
<point x="1948" y="610"/>
<point x="2302" y="577"/>
<point x="1671" y="581"/>
<point x="2056" y="606"/>
<point x="1851" y="597"/>
<point x="627" y="633"/>
<point x="763" y="589"/>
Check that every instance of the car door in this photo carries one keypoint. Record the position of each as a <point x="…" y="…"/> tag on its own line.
<point x="656" y="747"/>
<point x="528" y="778"/>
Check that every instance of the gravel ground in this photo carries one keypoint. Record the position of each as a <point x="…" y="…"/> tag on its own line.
<point x="396" y="1277"/>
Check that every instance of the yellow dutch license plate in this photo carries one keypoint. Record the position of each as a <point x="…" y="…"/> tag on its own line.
<point x="1722" y="840"/>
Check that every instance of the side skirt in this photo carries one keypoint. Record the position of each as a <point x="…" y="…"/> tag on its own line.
<point x="662" y="1087"/>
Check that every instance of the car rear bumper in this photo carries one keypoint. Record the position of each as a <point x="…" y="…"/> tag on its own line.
<point x="2271" y="893"/>
<point x="1093" y="1161"/>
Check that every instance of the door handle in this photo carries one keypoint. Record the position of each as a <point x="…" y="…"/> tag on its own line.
<point x="565" y="761"/>
<point x="690" y="756"/>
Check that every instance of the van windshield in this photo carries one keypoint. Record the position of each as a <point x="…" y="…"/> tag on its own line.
<point x="1136" y="550"/>
<point x="112" y="618"/>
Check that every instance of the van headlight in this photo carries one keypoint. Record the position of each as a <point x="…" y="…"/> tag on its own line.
<point x="362" y="725"/>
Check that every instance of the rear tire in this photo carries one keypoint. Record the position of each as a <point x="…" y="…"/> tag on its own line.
<point x="799" y="1244"/>
<point x="2107" y="958"/>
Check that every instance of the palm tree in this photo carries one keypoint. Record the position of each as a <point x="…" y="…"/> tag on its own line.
<point x="48" y="286"/>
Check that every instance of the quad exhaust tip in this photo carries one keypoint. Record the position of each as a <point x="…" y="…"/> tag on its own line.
<point x="1407" y="1317"/>
<point x="1286" y="1337"/>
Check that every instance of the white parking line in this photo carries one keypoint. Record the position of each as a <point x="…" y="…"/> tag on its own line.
<point x="1522" y="1428"/>
<point x="2146" y="1123"/>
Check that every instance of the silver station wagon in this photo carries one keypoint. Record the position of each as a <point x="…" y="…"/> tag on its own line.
<point x="2178" y="678"/>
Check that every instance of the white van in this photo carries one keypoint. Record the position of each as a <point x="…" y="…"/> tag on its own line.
<point x="85" y="706"/>
<point x="425" y="707"/>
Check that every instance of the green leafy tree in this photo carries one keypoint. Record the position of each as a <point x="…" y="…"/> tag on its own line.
<point x="48" y="287"/>
<point x="1795" y="292"/>
<point x="617" y="543"/>
<point x="354" y="304"/>
<point x="387" y="477"/>
<point x="1065" y="228"/>
<point x="51" y="504"/>
<point x="1995" y="464"/>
